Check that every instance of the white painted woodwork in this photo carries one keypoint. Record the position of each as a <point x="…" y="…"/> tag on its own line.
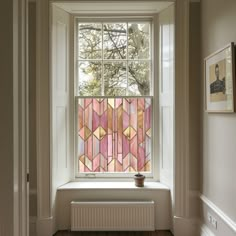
<point x="205" y="231"/>
<point x="20" y="225"/>
<point x="112" y="216"/>
<point x="225" y="224"/>
<point x="13" y="125"/>
<point x="60" y="126"/>
<point x="166" y="90"/>
<point x="112" y="185"/>
<point x="194" y="108"/>
<point x="44" y="210"/>
<point x="45" y="222"/>
<point x="111" y="7"/>
<point x="113" y="191"/>
<point x="181" y="117"/>
<point x="186" y="226"/>
<point x="32" y="225"/>
<point x="60" y="97"/>
<point x="8" y="125"/>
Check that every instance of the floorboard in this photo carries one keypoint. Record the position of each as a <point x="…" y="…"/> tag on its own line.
<point x="121" y="233"/>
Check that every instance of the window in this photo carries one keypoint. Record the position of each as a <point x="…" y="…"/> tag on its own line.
<point x="114" y="97"/>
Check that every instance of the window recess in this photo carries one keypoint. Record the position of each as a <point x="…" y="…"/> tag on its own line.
<point x="113" y="97"/>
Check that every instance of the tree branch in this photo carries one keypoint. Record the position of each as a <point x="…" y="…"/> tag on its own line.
<point x="114" y="44"/>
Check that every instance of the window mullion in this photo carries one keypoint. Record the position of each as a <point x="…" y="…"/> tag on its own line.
<point x="151" y="75"/>
<point x="77" y="58"/>
<point x="127" y="67"/>
<point x="102" y="64"/>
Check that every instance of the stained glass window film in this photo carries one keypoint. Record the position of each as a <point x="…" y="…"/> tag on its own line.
<point x="114" y="134"/>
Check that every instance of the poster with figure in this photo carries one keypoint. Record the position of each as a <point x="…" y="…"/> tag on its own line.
<point x="220" y="80"/>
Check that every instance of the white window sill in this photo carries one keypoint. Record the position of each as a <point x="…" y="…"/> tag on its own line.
<point x="112" y="185"/>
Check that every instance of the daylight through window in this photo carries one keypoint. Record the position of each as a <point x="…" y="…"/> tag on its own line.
<point x="114" y="97"/>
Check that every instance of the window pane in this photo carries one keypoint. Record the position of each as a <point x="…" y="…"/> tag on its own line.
<point x="108" y="77"/>
<point x="114" y="134"/>
<point x="89" y="78"/>
<point x="90" y="41"/>
<point x="115" y="40"/>
<point x="139" y="78"/>
<point x="115" y="81"/>
<point x="138" y="40"/>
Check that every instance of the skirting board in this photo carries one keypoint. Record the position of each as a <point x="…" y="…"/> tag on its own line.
<point x="45" y="227"/>
<point x="186" y="227"/>
<point x="205" y="231"/>
<point x="219" y="212"/>
<point x="32" y="225"/>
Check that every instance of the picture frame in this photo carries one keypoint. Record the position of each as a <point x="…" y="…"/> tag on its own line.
<point x="220" y="80"/>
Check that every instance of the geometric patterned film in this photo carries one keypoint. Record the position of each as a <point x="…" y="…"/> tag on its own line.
<point x="114" y="134"/>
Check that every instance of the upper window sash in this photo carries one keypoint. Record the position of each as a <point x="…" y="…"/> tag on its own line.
<point x="124" y="83"/>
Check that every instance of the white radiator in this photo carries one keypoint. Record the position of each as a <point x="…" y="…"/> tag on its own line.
<point x="112" y="216"/>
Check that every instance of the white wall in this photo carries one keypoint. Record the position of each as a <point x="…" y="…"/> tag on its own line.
<point x="219" y="130"/>
<point x="6" y="118"/>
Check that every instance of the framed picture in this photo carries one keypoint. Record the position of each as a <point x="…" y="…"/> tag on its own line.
<point x="220" y="80"/>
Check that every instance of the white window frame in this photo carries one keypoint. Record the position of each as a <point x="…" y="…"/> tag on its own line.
<point x="155" y="159"/>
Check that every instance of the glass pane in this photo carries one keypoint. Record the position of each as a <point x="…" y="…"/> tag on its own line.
<point x="114" y="135"/>
<point x="89" y="78"/>
<point x="115" y="81"/>
<point x="90" y="41"/>
<point x="165" y="57"/>
<point x="139" y="78"/>
<point x="138" y="40"/>
<point x="115" y="40"/>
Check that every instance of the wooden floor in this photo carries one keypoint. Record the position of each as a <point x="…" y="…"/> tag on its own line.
<point x="156" y="233"/>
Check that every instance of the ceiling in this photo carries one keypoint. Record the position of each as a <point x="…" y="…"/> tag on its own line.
<point x="111" y="7"/>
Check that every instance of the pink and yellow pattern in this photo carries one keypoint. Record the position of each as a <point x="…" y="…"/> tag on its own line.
<point x="114" y="134"/>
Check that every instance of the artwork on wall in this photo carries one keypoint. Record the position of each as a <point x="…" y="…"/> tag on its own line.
<point x="220" y="80"/>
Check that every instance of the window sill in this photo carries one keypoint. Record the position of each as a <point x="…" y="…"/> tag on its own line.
<point x="112" y="185"/>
